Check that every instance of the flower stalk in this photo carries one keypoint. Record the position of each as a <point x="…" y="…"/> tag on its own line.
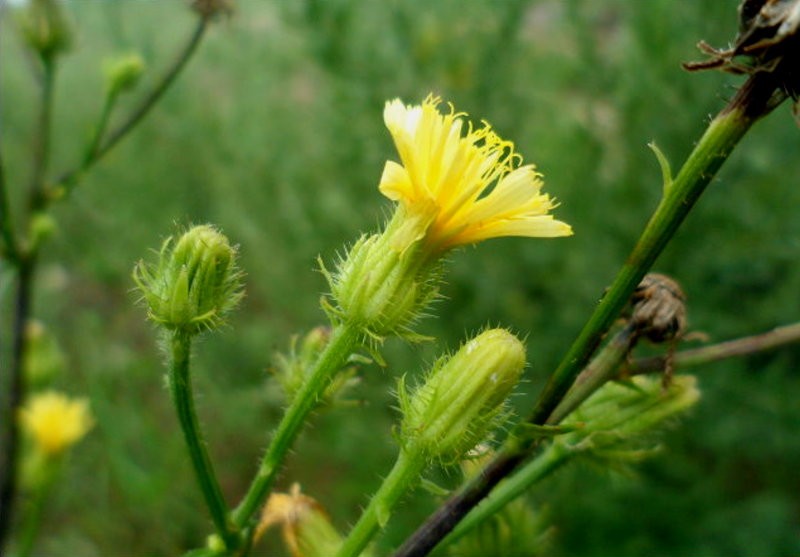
<point x="754" y="100"/>
<point x="344" y="340"/>
<point x="180" y="387"/>
<point x="461" y="401"/>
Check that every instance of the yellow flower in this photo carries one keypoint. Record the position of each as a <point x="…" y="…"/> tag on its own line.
<point x="55" y="422"/>
<point x="458" y="188"/>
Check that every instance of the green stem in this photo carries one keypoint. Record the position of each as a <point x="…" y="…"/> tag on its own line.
<point x="603" y="367"/>
<point x="36" y="507"/>
<point x="550" y="460"/>
<point x="405" y="472"/>
<point x="711" y="151"/>
<point x="26" y="258"/>
<point x="99" y="131"/>
<point x="8" y="248"/>
<point x="70" y="179"/>
<point x="754" y="100"/>
<point x="343" y="342"/>
<point x="180" y="386"/>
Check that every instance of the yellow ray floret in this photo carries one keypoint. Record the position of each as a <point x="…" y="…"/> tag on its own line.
<point x="55" y="422"/>
<point x="460" y="186"/>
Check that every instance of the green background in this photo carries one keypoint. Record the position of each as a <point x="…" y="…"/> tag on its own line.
<point x="275" y="134"/>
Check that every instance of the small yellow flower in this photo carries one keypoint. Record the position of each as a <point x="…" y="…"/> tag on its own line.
<point x="458" y="189"/>
<point x="55" y="422"/>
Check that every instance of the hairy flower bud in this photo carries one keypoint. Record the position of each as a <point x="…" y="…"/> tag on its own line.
<point x="463" y="397"/>
<point x="382" y="290"/>
<point x="194" y="283"/>
<point x="122" y="73"/>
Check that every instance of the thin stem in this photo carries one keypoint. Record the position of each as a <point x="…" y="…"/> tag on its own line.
<point x="343" y="342"/>
<point x="405" y="473"/>
<point x="730" y="349"/>
<point x="8" y="248"/>
<point x="26" y="260"/>
<point x="528" y="475"/>
<point x="99" y="131"/>
<point x="180" y="384"/>
<point x="16" y="394"/>
<point x="41" y="147"/>
<point x="70" y="179"/>
<point x="603" y="367"/>
<point x="753" y="101"/>
<point x="36" y="508"/>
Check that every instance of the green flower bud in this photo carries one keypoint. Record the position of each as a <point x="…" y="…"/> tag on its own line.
<point x="122" y="73"/>
<point x="463" y="397"/>
<point x="44" y="28"/>
<point x="194" y="283"/>
<point x="618" y="422"/>
<point x="293" y="368"/>
<point x="382" y="290"/>
<point x="43" y="359"/>
<point x="42" y="226"/>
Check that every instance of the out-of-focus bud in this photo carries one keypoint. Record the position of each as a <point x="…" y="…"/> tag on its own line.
<point x="55" y="422"/>
<point x="194" y="284"/>
<point x="293" y="368"/>
<point x="42" y="227"/>
<point x="122" y="73"/>
<point x="44" y="28"/>
<point x="305" y="526"/>
<point x="463" y="397"/>
<point x="617" y="421"/>
<point x="210" y="8"/>
<point x="43" y="360"/>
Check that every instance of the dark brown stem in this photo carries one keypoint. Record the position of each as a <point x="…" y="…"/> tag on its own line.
<point x="16" y="392"/>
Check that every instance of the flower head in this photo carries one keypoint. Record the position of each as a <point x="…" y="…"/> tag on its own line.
<point x="459" y="188"/>
<point x="55" y="422"/>
<point x="194" y="284"/>
<point x="463" y="397"/>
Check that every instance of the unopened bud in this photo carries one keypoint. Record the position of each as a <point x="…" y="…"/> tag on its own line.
<point x="463" y="397"/>
<point x="382" y="290"/>
<point x="44" y="359"/>
<point x="44" y="28"/>
<point x="194" y="284"/>
<point x="122" y="73"/>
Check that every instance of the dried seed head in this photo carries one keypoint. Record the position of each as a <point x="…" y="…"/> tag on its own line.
<point x="659" y="308"/>
<point x="768" y="41"/>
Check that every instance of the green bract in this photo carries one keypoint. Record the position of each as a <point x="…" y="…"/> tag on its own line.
<point x="194" y="283"/>
<point x="381" y="290"/>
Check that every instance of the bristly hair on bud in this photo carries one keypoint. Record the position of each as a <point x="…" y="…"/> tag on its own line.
<point x="194" y="284"/>
<point x="382" y="291"/>
<point x="463" y="397"/>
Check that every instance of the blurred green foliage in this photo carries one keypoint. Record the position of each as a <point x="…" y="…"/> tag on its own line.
<point x="275" y="134"/>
